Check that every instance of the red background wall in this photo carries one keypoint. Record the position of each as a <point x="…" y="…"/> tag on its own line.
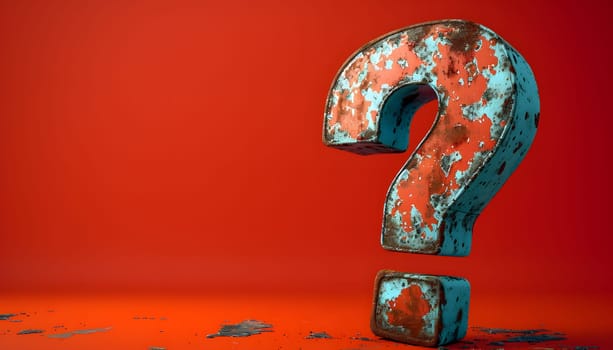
<point x="176" y="146"/>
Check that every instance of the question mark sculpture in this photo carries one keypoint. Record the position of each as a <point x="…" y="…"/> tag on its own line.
<point x="488" y="113"/>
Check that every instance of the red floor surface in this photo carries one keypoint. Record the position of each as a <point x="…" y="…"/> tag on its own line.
<point x="182" y="322"/>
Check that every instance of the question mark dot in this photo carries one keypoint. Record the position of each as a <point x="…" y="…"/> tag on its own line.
<point x="419" y="309"/>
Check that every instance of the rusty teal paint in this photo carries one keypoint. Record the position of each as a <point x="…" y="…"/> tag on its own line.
<point x="425" y="310"/>
<point x="488" y="116"/>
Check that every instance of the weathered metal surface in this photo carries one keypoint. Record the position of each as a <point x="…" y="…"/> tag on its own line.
<point x="420" y="309"/>
<point x="488" y="115"/>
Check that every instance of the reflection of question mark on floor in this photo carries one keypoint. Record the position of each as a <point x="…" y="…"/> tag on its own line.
<point x="488" y="115"/>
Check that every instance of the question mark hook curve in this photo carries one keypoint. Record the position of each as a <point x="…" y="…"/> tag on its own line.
<point x="487" y="118"/>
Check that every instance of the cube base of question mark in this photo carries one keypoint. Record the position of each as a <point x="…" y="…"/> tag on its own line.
<point x="425" y="310"/>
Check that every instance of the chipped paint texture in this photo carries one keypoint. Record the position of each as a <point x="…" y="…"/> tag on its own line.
<point x="420" y="309"/>
<point x="488" y="115"/>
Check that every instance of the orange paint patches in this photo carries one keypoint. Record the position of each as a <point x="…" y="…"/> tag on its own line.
<point x="408" y="310"/>
<point x="352" y="107"/>
<point x="469" y="149"/>
<point x="466" y="64"/>
<point x="350" y="113"/>
<point x="452" y="132"/>
<point x="356" y="67"/>
<point x="427" y="179"/>
<point x="486" y="56"/>
<point x="391" y="77"/>
<point x="421" y="183"/>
